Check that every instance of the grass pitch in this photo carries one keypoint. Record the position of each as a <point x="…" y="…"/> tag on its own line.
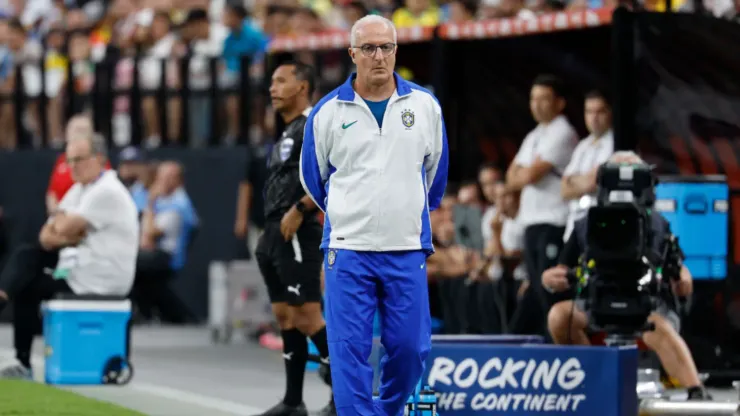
<point x="26" y="398"/>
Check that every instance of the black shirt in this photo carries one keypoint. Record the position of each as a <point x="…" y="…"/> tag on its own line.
<point x="283" y="185"/>
<point x="576" y="244"/>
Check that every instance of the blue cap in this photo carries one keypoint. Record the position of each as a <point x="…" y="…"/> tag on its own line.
<point x="131" y="154"/>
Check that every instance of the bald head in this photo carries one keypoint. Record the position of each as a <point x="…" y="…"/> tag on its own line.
<point x="79" y="126"/>
<point x="373" y="51"/>
<point x="371" y="24"/>
<point x="85" y="155"/>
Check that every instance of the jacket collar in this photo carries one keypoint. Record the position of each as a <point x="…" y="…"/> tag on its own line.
<point x="347" y="93"/>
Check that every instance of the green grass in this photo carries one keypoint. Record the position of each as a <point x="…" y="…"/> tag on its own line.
<point x="26" y="398"/>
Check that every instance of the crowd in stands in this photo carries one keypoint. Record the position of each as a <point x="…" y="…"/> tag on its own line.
<point x="497" y="235"/>
<point x="70" y="37"/>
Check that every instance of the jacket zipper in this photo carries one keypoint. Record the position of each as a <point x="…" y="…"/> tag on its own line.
<point x="380" y="134"/>
<point x="391" y="101"/>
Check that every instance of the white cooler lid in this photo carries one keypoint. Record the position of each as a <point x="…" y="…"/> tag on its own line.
<point x="89" y="305"/>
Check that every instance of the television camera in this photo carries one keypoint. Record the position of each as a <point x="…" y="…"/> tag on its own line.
<point x="624" y="273"/>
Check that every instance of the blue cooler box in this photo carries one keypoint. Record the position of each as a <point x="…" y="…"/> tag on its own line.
<point x="82" y="337"/>
<point x="697" y="209"/>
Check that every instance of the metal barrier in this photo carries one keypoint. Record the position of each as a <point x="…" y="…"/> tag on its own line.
<point x="114" y="91"/>
<point x="654" y="407"/>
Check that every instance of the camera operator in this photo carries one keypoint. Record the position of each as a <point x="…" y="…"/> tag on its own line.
<point x="664" y="339"/>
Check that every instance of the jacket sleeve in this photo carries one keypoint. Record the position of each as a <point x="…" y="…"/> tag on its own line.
<point x="435" y="164"/>
<point x="314" y="164"/>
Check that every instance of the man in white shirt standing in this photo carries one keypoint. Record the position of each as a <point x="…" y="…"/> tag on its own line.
<point x="578" y="186"/>
<point x="536" y="171"/>
<point x="96" y="232"/>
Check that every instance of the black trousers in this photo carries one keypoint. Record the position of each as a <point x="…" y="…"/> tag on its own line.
<point x="27" y="281"/>
<point x="496" y="302"/>
<point x="152" y="291"/>
<point x="454" y="301"/>
<point x="542" y="245"/>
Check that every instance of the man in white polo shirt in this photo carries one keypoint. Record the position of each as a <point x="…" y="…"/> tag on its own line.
<point x="95" y="232"/>
<point x="536" y="171"/>
<point x="578" y="186"/>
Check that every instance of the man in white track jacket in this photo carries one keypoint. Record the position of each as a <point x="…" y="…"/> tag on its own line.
<point x="374" y="159"/>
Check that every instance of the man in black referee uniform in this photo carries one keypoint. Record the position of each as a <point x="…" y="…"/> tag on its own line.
<point x="288" y="251"/>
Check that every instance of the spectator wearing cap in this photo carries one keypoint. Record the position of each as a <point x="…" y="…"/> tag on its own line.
<point x="417" y="13"/>
<point x="244" y="40"/>
<point x="130" y="165"/>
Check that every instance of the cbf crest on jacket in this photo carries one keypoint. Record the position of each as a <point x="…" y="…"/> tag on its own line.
<point x="376" y="184"/>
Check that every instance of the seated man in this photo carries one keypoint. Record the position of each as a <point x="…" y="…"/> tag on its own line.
<point x="167" y="223"/>
<point x="89" y="241"/>
<point x="665" y="340"/>
<point x="502" y="275"/>
<point x="449" y="267"/>
<point x="140" y="189"/>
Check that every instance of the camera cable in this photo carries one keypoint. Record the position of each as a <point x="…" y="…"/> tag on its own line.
<point x="575" y="277"/>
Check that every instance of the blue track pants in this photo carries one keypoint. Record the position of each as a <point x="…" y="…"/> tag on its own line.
<point x="357" y="284"/>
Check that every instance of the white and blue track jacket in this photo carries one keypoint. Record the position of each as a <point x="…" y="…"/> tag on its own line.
<point x="376" y="185"/>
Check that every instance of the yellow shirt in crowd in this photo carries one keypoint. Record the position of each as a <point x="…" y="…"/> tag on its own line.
<point x="56" y="61"/>
<point x="659" y="5"/>
<point x="404" y="18"/>
<point x="321" y="7"/>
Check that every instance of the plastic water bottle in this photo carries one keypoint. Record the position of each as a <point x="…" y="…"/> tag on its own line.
<point x="427" y="405"/>
<point x="410" y="406"/>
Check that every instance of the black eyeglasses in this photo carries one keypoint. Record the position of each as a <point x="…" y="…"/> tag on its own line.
<point x="78" y="159"/>
<point x="369" y="50"/>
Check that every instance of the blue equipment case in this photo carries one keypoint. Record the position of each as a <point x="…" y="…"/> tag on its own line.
<point x="697" y="208"/>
